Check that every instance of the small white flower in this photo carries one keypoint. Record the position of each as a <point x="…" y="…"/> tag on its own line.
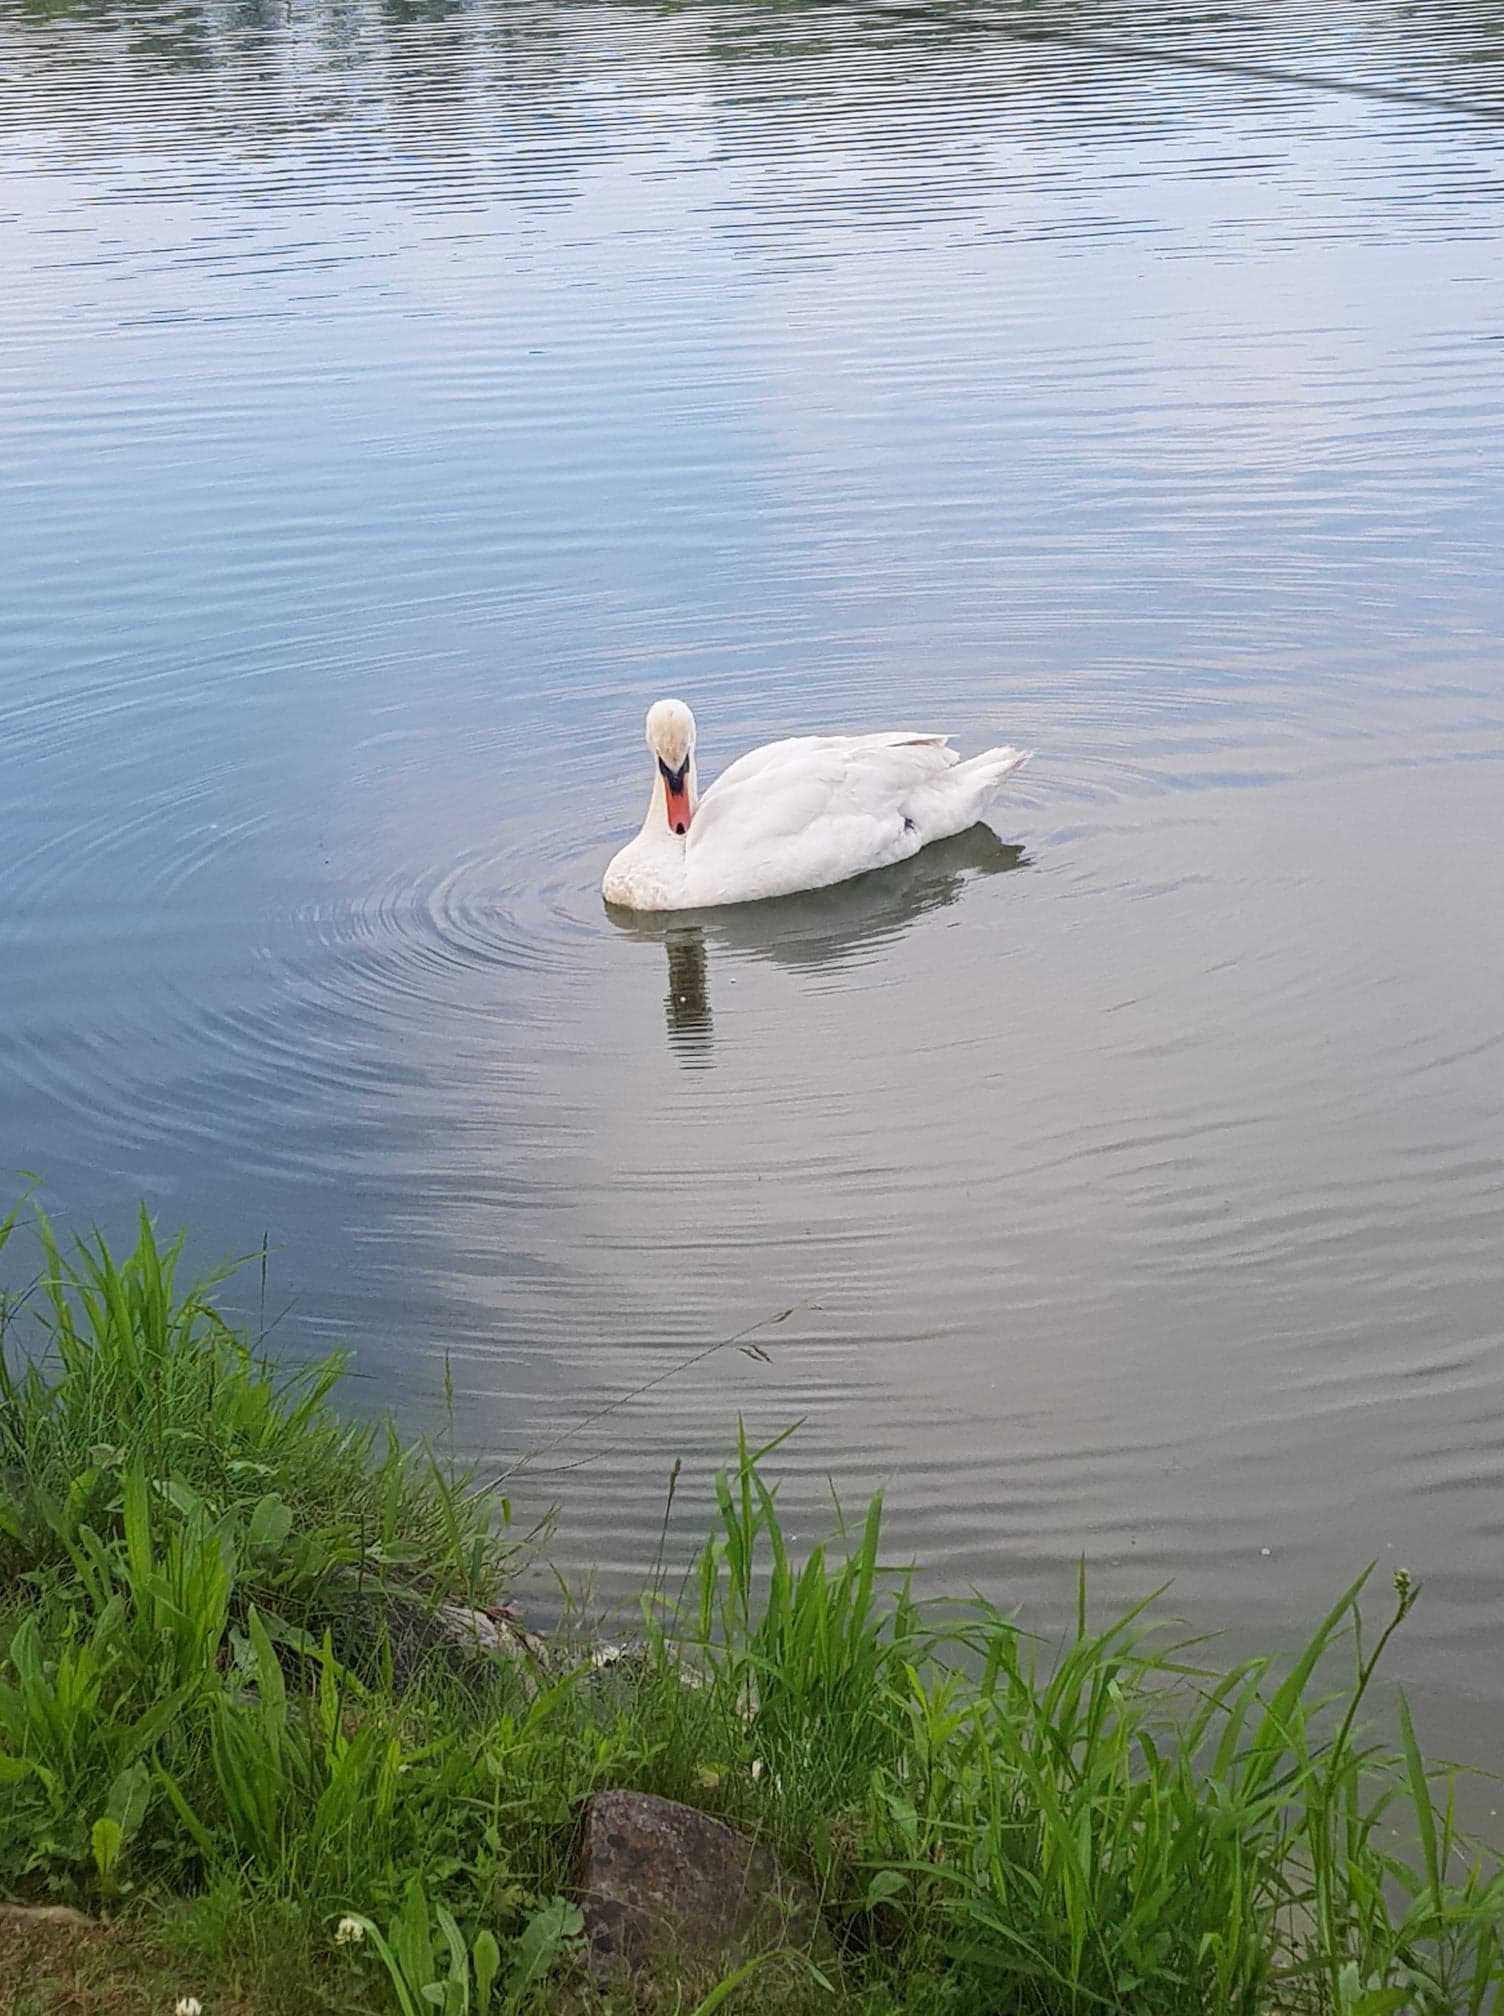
<point x="349" y="1932"/>
<point x="189" y="2005"/>
<point x="756" y="1768"/>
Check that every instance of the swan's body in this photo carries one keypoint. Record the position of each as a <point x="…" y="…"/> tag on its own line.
<point x="793" y="815"/>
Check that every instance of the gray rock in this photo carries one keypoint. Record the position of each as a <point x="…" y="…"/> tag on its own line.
<point x="42" y="1914"/>
<point x="420" y="1631"/>
<point x="494" y="1633"/>
<point x="669" y="1894"/>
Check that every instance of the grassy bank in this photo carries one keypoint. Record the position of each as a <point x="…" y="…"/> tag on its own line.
<point x="227" y="1732"/>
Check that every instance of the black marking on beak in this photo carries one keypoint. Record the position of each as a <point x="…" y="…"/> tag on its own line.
<point x="676" y="783"/>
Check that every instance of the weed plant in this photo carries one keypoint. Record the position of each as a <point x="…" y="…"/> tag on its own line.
<point x="208" y="1724"/>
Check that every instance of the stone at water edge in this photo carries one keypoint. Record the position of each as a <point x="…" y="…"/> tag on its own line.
<point x="669" y="1893"/>
<point x="44" y="1914"/>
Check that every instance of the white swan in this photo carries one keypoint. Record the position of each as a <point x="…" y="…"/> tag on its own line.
<point x="792" y="815"/>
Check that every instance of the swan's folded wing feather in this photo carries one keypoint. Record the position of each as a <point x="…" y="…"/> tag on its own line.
<point x="811" y="811"/>
<point x="795" y="750"/>
<point x="806" y="776"/>
<point x="755" y="804"/>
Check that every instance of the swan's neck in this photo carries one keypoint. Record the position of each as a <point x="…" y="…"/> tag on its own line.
<point x="655" y="825"/>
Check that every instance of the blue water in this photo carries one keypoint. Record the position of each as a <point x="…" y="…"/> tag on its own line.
<point x="396" y="399"/>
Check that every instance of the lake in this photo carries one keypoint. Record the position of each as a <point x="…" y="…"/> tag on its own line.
<point x="399" y="397"/>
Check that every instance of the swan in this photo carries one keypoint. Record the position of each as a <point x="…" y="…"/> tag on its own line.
<point x="797" y="814"/>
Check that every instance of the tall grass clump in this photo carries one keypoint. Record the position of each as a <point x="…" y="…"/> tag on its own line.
<point x="127" y="1371"/>
<point x="1102" y="1823"/>
<point x="206" y="1580"/>
<point x="209" y="1722"/>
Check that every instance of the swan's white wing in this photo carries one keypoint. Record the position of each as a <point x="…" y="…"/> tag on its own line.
<point x="787" y="787"/>
<point x="810" y="811"/>
<point x="795" y="748"/>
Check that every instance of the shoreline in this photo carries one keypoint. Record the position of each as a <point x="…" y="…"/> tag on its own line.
<point x="268" y="1721"/>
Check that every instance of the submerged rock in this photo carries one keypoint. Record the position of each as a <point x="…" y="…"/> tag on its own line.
<point x="670" y="1894"/>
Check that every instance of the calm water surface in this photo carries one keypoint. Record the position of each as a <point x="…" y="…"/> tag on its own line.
<point x="396" y="398"/>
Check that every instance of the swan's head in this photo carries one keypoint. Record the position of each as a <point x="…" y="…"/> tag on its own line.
<point x="671" y="737"/>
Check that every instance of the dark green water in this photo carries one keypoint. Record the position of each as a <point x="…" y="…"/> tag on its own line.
<point x="396" y="398"/>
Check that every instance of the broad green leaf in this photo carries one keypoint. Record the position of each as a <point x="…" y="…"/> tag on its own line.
<point x="486" y="1959"/>
<point x="129" y="1797"/>
<point x="885" y="1883"/>
<point x="271" y="1522"/>
<point x="106" y="1839"/>
<point x="548" y="1934"/>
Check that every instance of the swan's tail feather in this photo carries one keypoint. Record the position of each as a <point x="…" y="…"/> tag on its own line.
<point x="993" y="765"/>
<point x="972" y="786"/>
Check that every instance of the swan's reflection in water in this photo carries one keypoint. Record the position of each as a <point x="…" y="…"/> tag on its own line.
<point x="821" y="929"/>
<point x="687" y="1002"/>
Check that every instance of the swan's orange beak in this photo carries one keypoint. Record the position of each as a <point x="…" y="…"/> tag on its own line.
<point x="676" y="795"/>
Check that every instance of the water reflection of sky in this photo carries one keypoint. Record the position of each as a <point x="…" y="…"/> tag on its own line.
<point x="396" y="402"/>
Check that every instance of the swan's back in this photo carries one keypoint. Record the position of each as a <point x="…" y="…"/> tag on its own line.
<point x="796" y="749"/>
<point x="815" y="809"/>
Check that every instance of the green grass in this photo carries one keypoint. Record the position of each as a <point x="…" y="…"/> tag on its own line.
<point x="213" y="1733"/>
